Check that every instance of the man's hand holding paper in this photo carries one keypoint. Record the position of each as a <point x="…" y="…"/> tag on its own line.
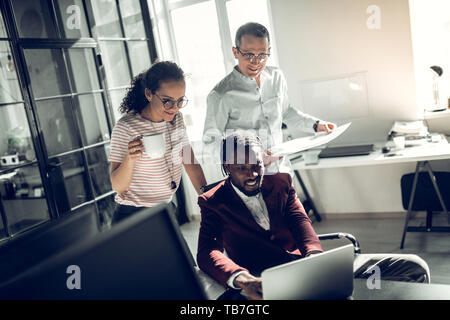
<point x="310" y="142"/>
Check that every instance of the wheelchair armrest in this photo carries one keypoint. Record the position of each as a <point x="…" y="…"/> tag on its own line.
<point x="340" y="235"/>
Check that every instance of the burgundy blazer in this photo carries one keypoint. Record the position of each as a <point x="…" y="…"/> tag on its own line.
<point x="228" y="224"/>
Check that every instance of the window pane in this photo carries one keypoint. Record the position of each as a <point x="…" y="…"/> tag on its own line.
<point x="116" y="64"/>
<point x="16" y="146"/>
<point x="58" y="125"/>
<point x="116" y="99"/>
<point x="82" y="63"/>
<point x="73" y="18"/>
<point x="2" y="30"/>
<point x="166" y="50"/>
<point x="2" y="228"/>
<point x="47" y="72"/>
<point x="99" y="170"/>
<point x="160" y="31"/>
<point x="200" y="56"/>
<point x="93" y="123"/>
<point x="132" y="18"/>
<point x="23" y="198"/>
<point x="106" y="207"/>
<point x="33" y="19"/>
<point x="106" y="19"/>
<point x="158" y="5"/>
<point x="9" y="84"/>
<point x="76" y="181"/>
<point x="243" y="11"/>
<point x="139" y="56"/>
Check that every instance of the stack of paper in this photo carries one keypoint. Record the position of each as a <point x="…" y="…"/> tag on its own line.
<point x="414" y="128"/>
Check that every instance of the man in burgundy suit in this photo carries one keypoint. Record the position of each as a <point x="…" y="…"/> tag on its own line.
<point x="261" y="223"/>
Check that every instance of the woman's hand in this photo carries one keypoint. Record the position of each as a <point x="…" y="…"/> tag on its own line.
<point x="122" y="172"/>
<point x="251" y="285"/>
<point x="135" y="149"/>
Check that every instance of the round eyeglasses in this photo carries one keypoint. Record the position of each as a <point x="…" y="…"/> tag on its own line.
<point x="262" y="57"/>
<point x="170" y="104"/>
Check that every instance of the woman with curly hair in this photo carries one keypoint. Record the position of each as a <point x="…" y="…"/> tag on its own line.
<point x="151" y="106"/>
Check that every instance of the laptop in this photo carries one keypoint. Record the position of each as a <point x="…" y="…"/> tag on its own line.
<point x="327" y="275"/>
<point x="346" y="151"/>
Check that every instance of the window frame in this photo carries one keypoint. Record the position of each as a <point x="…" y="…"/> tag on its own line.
<point x="226" y="37"/>
<point x="18" y="45"/>
<point x="164" y="16"/>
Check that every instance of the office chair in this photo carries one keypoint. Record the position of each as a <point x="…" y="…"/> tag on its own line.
<point x="328" y="236"/>
<point x="425" y="191"/>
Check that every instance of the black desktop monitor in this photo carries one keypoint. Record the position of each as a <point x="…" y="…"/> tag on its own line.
<point x="143" y="257"/>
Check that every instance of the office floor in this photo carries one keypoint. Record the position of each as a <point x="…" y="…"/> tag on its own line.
<point x="377" y="236"/>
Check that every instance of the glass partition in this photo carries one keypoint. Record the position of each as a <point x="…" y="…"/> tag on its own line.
<point x="34" y="19"/>
<point x="47" y="72"/>
<point x="23" y="198"/>
<point x="9" y="85"/>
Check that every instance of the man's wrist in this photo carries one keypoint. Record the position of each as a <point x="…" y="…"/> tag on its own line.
<point x="315" y="125"/>
<point x="231" y="280"/>
<point x="242" y="278"/>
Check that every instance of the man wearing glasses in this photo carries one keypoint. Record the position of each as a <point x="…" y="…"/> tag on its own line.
<point x="254" y="97"/>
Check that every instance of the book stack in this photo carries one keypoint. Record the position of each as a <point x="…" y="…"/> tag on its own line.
<point x="411" y="129"/>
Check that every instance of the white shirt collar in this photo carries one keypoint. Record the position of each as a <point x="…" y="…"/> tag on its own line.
<point x="242" y="195"/>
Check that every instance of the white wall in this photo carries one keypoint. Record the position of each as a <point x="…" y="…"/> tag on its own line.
<point x="325" y="38"/>
<point x="322" y="38"/>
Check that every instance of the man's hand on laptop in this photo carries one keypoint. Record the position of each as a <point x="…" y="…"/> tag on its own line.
<point x="312" y="252"/>
<point x="250" y="285"/>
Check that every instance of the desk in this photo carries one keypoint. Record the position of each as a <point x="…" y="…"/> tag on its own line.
<point x="421" y="153"/>
<point x="393" y="290"/>
<point x="389" y="290"/>
<point x="425" y="152"/>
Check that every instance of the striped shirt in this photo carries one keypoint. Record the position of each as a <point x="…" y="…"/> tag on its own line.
<point x="151" y="181"/>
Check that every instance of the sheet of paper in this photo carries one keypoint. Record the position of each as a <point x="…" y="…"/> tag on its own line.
<point x="306" y="143"/>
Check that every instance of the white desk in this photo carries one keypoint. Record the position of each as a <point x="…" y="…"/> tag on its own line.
<point x="421" y="152"/>
<point x="426" y="152"/>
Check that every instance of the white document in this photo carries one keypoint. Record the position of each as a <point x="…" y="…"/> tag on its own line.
<point x="306" y="143"/>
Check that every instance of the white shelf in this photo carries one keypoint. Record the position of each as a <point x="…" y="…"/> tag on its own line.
<point x="435" y="115"/>
<point x="425" y="152"/>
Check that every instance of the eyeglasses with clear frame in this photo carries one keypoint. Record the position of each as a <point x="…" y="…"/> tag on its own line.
<point x="262" y="57"/>
<point x="170" y="104"/>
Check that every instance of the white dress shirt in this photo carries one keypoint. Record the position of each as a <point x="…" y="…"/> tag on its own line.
<point x="258" y="209"/>
<point x="256" y="206"/>
<point x="237" y="102"/>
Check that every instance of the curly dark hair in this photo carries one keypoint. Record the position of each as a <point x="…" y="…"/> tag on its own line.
<point x="135" y="99"/>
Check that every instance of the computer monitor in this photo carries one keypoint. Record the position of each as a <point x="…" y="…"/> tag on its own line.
<point x="341" y="99"/>
<point x="143" y="257"/>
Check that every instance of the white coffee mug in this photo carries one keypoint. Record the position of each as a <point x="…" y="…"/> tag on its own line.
<point x="399" y="142"/>
<point x="154" y="145"/>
